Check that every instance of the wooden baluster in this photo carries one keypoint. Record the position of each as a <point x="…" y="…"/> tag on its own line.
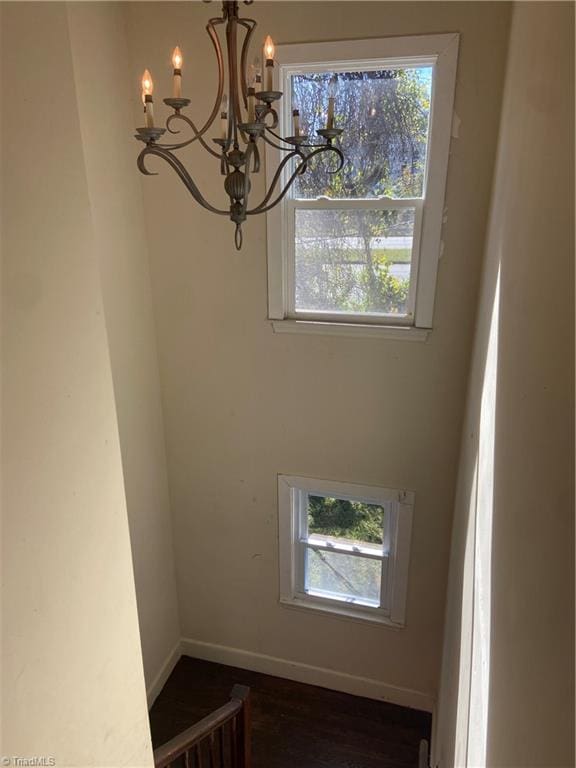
<point x="187" y="763"/>
<point x="244" y="740"/>
<point x="198" y="755"/>
<point x="222" y="750"/>
<point x="234" y="742"/>
<point x="213" y="762"/>
<point x="246" y="731"/>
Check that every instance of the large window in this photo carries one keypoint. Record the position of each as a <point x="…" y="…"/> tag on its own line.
<point x="360" y="247"/>
<point x="344" y="548"/>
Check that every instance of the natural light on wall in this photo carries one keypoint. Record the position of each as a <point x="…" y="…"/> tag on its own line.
<point x="474" y="683"/>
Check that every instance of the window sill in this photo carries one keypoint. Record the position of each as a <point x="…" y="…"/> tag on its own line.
<point x="339" y="611"/>
<point x="395" y="332"/>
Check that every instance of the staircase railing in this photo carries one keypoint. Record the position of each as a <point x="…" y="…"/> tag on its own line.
<point x="220" y="740"/>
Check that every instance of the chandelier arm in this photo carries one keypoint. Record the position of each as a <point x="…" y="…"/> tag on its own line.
<point x="235" y="113"/>
<point x="268" y="110"/>
<point x="262" y="208"/>
<point x="317" y="150"/>
<point x="287" y="149"/>
<point x="276" y="135"/>
<point x="197" y="135"/>
<point x="277" y="146"/>
<point x="210" y="28"/>
<point x="274" y="181"/>
<point x="250" y="26"/>
<point x="153" y="149"/>
<point x="256" y="163"/>
<point x="234" y="116"/>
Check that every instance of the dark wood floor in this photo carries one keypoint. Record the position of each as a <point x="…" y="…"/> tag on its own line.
<point x="294" y="725"/>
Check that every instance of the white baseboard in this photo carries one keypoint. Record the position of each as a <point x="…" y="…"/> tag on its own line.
<point x="305" y="673"/>
<point x="159" y="681"/>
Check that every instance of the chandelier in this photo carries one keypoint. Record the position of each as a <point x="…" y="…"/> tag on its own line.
<point x="245" y="103"/>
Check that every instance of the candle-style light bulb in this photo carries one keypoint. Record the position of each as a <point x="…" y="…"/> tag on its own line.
<point x="296" y="118"/>
<point x="147" y="83"/>
<point x="331" y="102"/>
<point x="269" y="51"/>
<point x="177" y="79"/>
<point x="177" y="58"/>
<point x="269" y="48"/>
<point x="147" y="90"/>
<point x="332" y="87"/>
<point x="224" y="117"/>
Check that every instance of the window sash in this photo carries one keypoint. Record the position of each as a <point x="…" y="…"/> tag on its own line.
<point x="291" y="205"/>
<point x="285" y="116"/>
<point x="341" y="597"/>
<point x="438" y="50"/>
<point x="303" y="541"/>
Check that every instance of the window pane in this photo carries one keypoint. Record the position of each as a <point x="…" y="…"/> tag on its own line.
<point x="343" y="577"/>
<point x="353" y="261"/>
<point x="384" y="115"/>
<point x="353" y="522"/>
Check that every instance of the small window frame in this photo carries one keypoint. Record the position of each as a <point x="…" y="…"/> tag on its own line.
<point x="293" y="495"/>
<point x="438" y="51"/>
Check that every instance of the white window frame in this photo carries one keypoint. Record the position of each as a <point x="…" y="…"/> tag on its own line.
<point x="438" y="51"/>
<point x="293" y="495"/>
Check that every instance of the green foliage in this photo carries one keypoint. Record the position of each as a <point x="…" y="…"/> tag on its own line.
<point x="343" y="288"/>
<point x="339" y="269"/>
<point x="352" y="520"/>
<point x="393" y="255"/>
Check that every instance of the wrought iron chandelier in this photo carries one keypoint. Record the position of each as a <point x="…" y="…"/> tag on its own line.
<point x="247" y="118"/>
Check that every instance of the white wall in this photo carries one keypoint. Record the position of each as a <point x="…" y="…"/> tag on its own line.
<point x="519" y="709"/>
<point x="242" y="404"/>
<point x="103" y="92"/>
<point x="72" y="678"/>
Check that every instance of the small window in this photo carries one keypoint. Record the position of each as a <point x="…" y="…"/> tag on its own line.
<point x="361" y="246"/>
<point x="344" y="548"/>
